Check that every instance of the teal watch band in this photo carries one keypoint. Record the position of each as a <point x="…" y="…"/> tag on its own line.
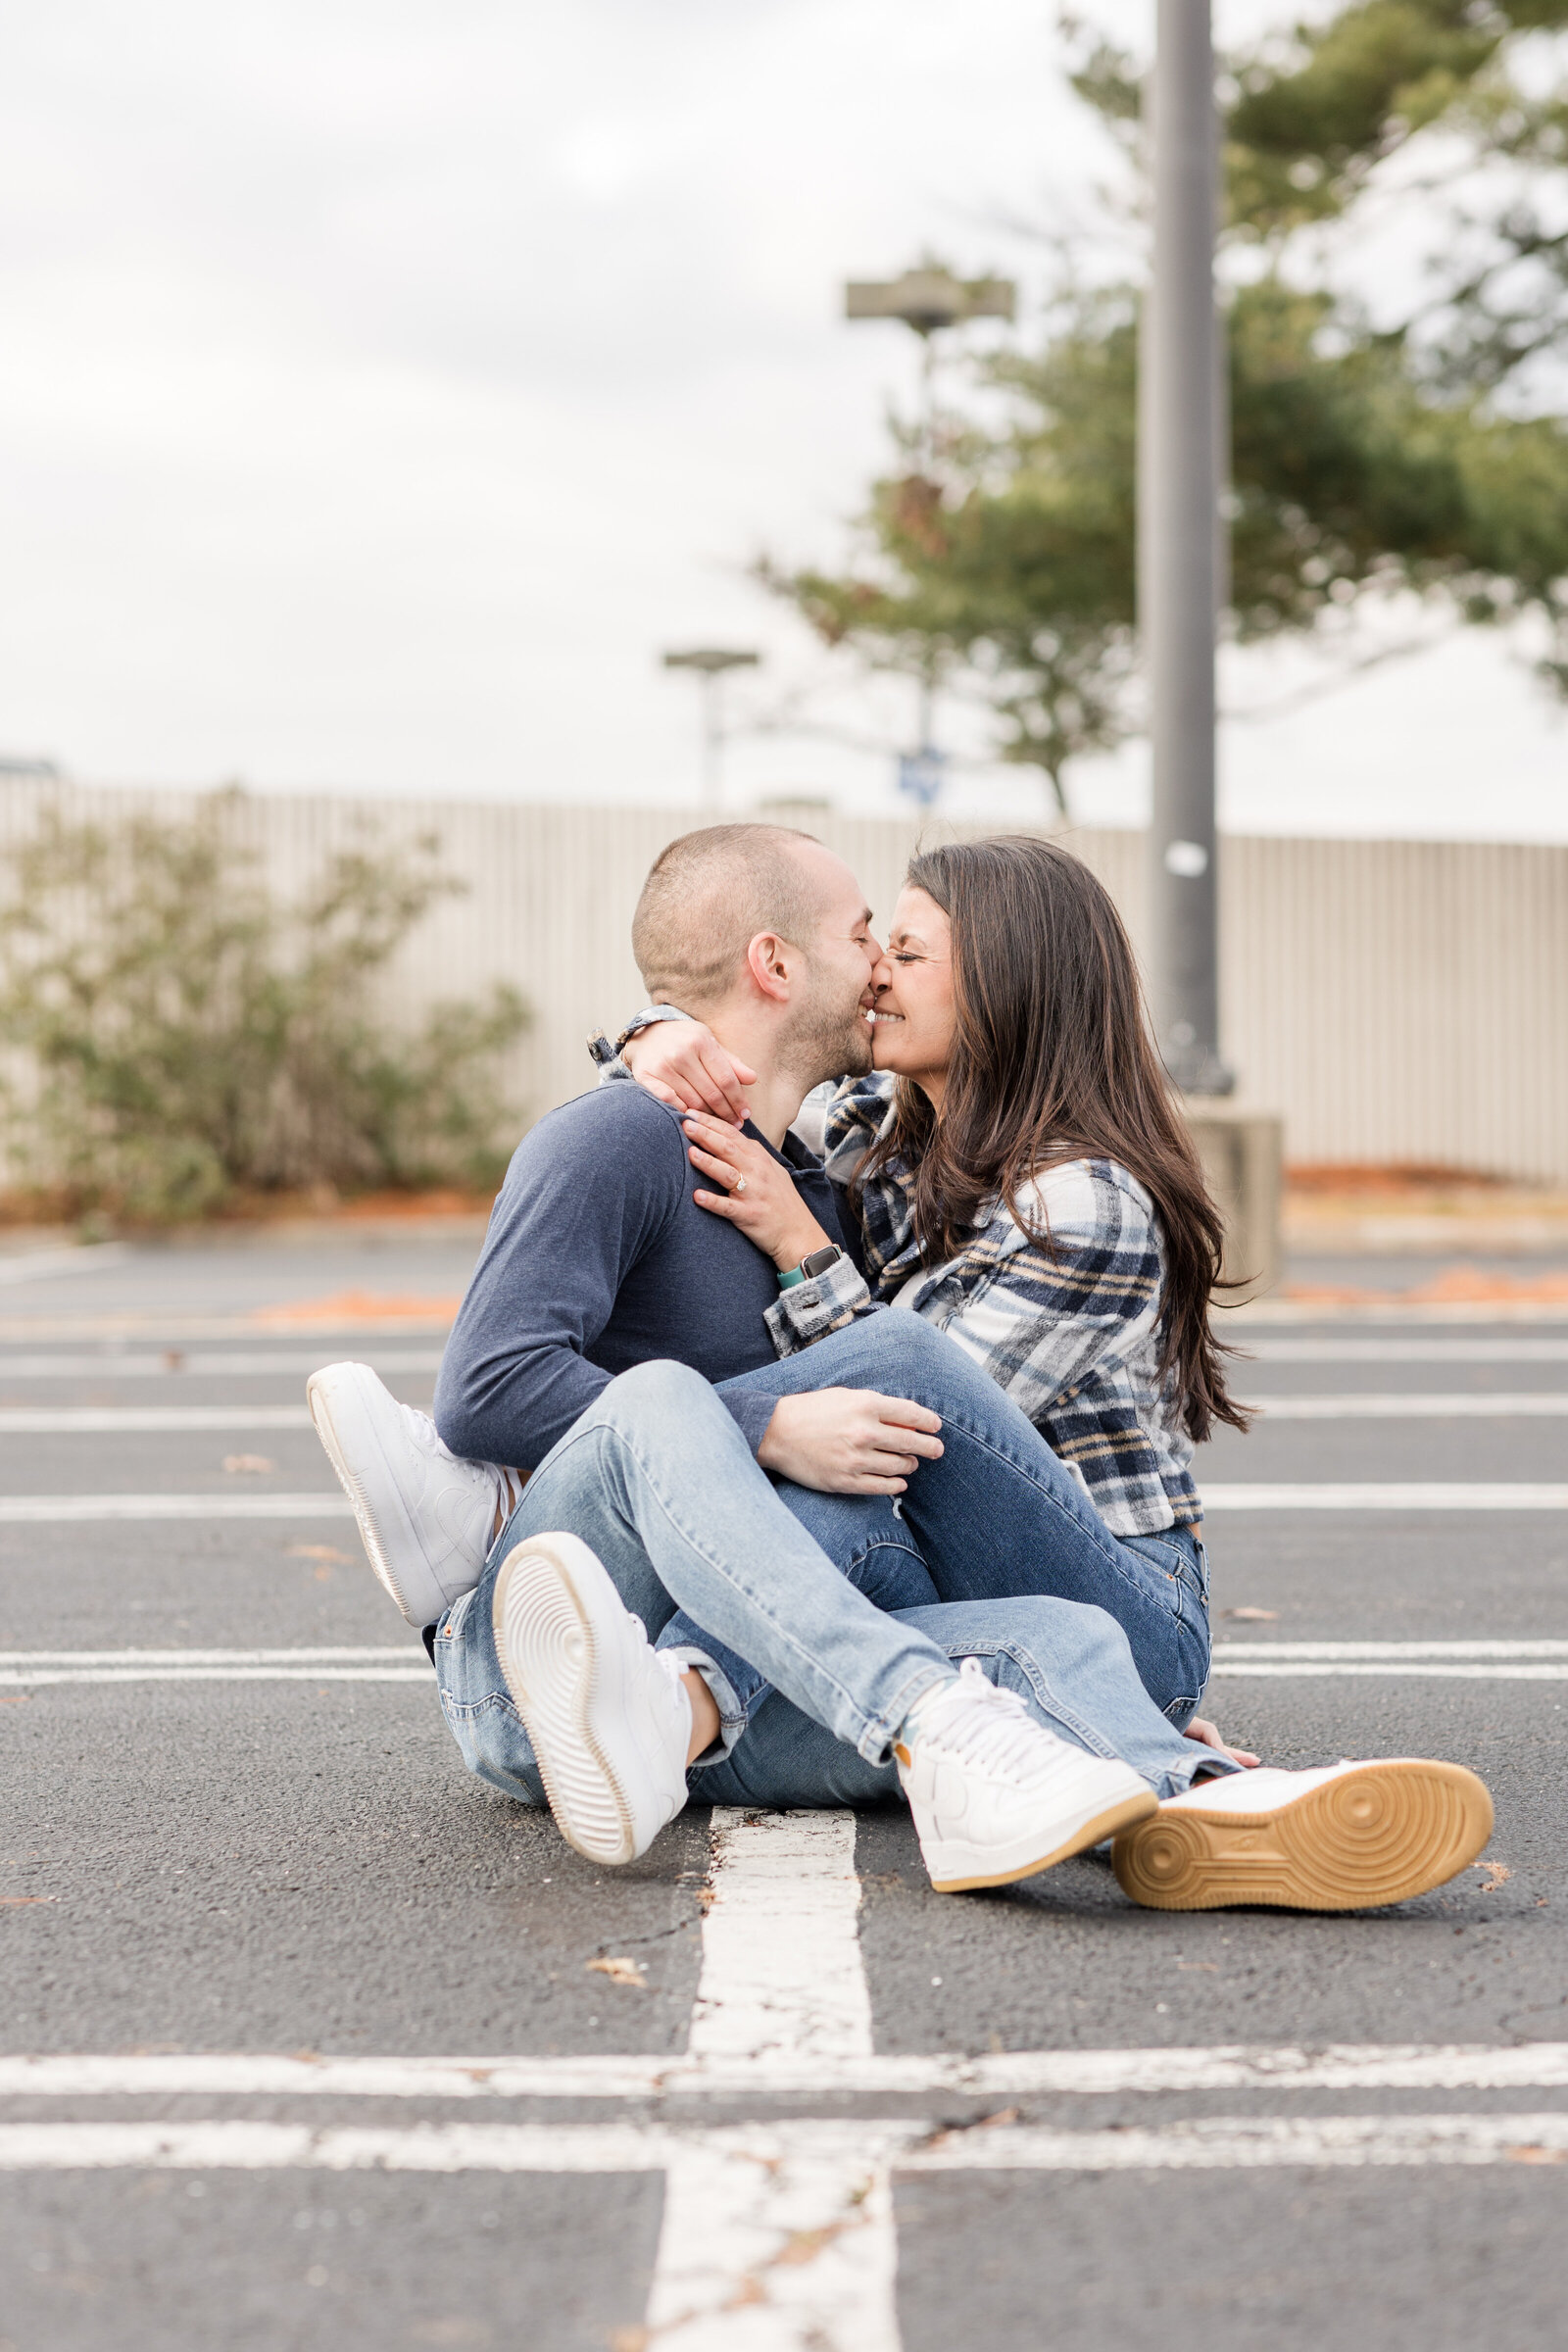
<point x="817" y="1263"/>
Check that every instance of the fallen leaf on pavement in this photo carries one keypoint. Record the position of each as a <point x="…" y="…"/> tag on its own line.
<point x="249" y="1461"/>
<point x="621" y="1971"/>
<point x="1253" y="1616"/>
<point x="306" y="1551"/>
<point x="1499" y="1874"/>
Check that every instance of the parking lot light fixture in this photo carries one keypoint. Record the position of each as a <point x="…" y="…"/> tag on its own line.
<point x="713" y="663"/>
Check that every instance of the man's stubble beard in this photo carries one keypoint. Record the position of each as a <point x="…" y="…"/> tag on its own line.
<point x="830" y="1040"/>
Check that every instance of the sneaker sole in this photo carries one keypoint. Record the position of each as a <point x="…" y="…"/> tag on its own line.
<point x="1380" y="1835"/>
<point x="549" y="1654"/>
<point x="325" y="1399"/>
<point x="1099" y="1826"/>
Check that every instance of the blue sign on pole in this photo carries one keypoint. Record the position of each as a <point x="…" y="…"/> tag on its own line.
<point x="921" y="773"/>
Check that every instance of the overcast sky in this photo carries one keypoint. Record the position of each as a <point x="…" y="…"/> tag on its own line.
<point x="383" y="386"/>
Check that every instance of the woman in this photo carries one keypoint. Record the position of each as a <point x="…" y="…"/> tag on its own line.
<point x="1022" y="1179"/>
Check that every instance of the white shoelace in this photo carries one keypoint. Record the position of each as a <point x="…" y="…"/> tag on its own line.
<point x="978" y="1723"/>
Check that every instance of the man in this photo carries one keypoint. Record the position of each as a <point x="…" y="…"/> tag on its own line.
<point x="684" y="1485"/>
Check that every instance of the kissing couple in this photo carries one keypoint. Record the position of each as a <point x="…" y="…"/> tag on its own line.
<point x="782" y="1459"/>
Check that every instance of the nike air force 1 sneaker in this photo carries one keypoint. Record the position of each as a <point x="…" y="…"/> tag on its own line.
<point x="606" y="1713"/>
<point x="425" y="1517"/>
<point x="1341" y="1837"/>
<point x="995" y="1795"/>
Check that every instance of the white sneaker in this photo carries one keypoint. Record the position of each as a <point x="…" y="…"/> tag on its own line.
<point x="605" y="1711"/>
<point x="1341" y="1837"/>
<point x="995" y="1795"/>
<point x="426" y="1517"/>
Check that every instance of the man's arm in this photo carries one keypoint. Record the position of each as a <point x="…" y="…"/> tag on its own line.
<point x="582" y="1203"/>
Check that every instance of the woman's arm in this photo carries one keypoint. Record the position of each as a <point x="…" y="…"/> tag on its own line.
<point x="753" y="1191"/>
<point x="682" y="1062"/>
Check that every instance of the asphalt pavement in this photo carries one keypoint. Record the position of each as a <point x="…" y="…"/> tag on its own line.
<point x="235" y="1829"/>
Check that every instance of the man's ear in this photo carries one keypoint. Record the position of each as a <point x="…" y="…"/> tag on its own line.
<point x="768" y="960"/>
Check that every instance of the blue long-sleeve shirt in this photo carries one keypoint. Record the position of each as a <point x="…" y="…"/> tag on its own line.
<point x="598" y="1259"/>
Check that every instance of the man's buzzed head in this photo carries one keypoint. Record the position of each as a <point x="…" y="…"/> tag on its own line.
<point x="708" y="896"/>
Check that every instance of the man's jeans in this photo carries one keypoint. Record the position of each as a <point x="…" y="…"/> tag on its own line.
<point x="998" y="1517"/>
<point x="656" y="1479"/>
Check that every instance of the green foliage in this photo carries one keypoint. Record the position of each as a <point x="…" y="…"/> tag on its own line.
<point x="999" y="551"/>
<point x="186" y="1037"/>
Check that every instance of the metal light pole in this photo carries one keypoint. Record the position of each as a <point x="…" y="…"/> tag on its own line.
<point x="1179" y="545"/>
<point x="711" y="661"/>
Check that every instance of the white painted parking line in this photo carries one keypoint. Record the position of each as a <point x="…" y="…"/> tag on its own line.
<point x="1078" y="2073"/>
<point x="41" y="1510"/>
<point x="177" y="1363"/>
<point x="782" y="1973"/>
<point x="822" y="2284"/>
<point x="80" y="1258"/>
<point x="1470" y="1661"/>
<point x="102" y="1420"/>
<point x="789" y="2222"/>
<point x="1519" y="1348"/>
<point x="1215" y="2142"/>
<point x="44" y="1510"/>
<point x="1393" y="1649"/>
<point x="1386" y="1498"/>
<point x="1417" y="1312"/>
<point x="34" y="1668"/>
<point x="760" y="1937"/>
<point x="1261" y="1671"/>
<point x="782" y="1982"/>
<point x="1460" y="1406"/>
<point x="108" y="1419"/>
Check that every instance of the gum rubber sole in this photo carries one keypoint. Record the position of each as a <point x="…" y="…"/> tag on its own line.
<point x="548" y="1652"/>
<point x="1105" y="1825"/>
<point x="1379" y="1835"/>
<point x="317" y="1397"/>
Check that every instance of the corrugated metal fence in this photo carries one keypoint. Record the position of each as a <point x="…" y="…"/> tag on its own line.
<point x="1397" y="1001"/>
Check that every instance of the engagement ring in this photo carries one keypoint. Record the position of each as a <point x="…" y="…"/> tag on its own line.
<point x="740" y="1183"/>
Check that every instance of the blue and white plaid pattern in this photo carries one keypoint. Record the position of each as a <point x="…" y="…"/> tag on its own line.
<point x="1071" y="1333"/>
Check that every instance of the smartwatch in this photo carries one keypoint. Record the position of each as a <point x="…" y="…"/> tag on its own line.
<point x="809" y="1267"/>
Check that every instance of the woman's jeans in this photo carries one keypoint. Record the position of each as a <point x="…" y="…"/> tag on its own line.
<point x="998" y="1518"/>
<point x="656" y="1479"/>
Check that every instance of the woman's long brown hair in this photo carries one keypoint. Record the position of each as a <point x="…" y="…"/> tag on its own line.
<point x="1053" y="1060"/>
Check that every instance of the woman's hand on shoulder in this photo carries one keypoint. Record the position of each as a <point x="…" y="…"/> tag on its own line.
<point x="751" y="1189"/>
<point x="682" y="1063"/>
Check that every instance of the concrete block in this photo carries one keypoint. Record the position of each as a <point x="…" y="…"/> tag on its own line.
<point x="1242" y="1152"/>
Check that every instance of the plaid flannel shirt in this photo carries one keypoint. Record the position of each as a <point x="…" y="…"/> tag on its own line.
<point x="1071" y="1332"/>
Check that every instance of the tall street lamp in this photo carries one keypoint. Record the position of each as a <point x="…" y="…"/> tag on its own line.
<point x="926" y="300"/>
<point x="1180" y="549"/>
<point x="712" y="662"/>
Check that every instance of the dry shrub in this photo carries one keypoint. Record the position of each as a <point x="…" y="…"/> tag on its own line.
<point x="180" y="1037"/>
